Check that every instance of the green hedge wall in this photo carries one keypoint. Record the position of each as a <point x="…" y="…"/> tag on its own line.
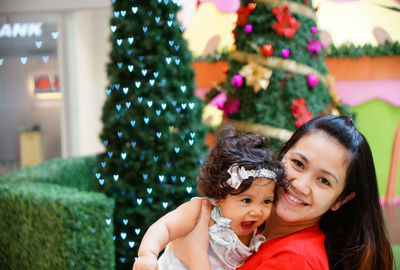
<point x="72" y="172"/>
<point x="51" y="219"/>
<point x="46" y="226"/>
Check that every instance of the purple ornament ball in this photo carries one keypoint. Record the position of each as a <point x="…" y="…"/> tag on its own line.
<point x="285" y="53"/>
<point x="314" y="30"/>
<point x="237" y="81"/>
<point x="248" y="28"/>
<point x="312" y="80"/>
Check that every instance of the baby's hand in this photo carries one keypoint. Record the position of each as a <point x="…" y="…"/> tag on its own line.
<point x="148" y="262"/>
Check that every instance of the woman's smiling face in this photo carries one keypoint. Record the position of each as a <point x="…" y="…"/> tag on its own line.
<point x="316" y="168"/>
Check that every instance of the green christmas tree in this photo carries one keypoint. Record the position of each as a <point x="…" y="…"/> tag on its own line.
<point x="152" y="132"/>
<point x="277" y="78"/>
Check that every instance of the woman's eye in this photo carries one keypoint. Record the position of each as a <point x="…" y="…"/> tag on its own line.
<point x="324" y="181"/>
<point x="298" y="163"/>
<point x="247" y="200"/>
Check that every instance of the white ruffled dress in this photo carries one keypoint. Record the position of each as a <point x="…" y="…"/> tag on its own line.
<point x="226" y="251"/>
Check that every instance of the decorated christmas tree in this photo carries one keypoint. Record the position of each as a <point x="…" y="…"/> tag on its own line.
<point x="152" y="130"/>
<point x="277" y="79"/>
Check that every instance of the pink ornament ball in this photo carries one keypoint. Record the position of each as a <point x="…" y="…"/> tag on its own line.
<point x="285" y="53"/>
<point x="312" y="80"/>
<point x="237" y="81"/>
<point x="314" y="30"/>
<point x="248" y="28"/>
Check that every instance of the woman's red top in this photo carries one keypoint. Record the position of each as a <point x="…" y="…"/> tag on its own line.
<point x="301" y="250"/>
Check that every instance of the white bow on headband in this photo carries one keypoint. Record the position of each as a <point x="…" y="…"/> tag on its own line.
<point x="239" y="174"/>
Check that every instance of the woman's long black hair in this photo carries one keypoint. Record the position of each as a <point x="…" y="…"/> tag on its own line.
<point x="356" y="237"/>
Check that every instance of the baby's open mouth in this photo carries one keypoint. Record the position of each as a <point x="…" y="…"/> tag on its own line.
<point x="247" y="225"/>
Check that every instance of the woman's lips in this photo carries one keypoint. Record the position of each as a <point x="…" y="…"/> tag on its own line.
<point x="294" y="200"/>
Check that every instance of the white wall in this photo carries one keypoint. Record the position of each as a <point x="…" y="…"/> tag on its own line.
<point x="11" y="6"/>
<point x="20" y="109"/>
<point x="82" y="51"/>
<point x="83" y="56"/>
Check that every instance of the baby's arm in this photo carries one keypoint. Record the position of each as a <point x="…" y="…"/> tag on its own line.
<point x="192" y="248"/>
<point x="171" y="226"/>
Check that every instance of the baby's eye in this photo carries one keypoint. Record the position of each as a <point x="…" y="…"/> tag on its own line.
<point x="268" y="201"/>
<point x="247" y="200"/>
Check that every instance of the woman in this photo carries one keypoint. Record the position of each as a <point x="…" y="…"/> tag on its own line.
<point x="329" y="213"/>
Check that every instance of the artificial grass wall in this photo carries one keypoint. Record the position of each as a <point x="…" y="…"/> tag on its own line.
<point x="75" y="172"/>
<point x="50" y="226"/>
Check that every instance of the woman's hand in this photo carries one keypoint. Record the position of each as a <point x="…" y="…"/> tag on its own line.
<point x="192" y="249"/>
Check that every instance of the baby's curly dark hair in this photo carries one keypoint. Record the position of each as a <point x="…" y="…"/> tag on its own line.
<point x="247" y="150"/>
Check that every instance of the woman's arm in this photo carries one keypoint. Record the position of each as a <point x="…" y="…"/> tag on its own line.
<point x="171" y="226"/>
<point x="192" y="248"/>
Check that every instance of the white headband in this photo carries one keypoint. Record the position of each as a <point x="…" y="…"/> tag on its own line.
<point x="239" y="174"/>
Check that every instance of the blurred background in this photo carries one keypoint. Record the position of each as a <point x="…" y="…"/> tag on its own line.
<point x="53" y="57"/>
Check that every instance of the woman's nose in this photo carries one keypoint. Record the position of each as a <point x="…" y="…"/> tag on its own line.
<point x="301" y="184"/>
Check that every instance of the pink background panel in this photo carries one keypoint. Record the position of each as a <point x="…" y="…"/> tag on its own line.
<point x="354" y="93"/>
<point x="226" y="6"/>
